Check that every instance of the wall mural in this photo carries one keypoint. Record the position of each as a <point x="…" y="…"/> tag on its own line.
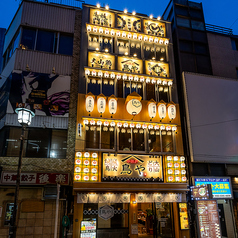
<point x="45" y="94"/>
<point x="128" y="23"/>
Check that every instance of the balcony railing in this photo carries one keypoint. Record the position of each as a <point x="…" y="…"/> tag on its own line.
<point x="70" y="3"/>
<point x="219" y="29"/>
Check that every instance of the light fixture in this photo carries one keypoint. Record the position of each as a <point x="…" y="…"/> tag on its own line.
<point x="97" y="49"/>
<point x="107" y="7"/>
<point x="158" y="18"/>
<point x="161" y="59"/>
<point x="134" y="13"/>
<point x="106" y="50"/>
<point x="126" y="53"/>
<point x="135" y="55"/>
<point x="125" y="11"/>
<point x="151" y="16"/>
<point x="153" y="58"/>
<point x="24" y="116"/>
<point x="98" y="5"/>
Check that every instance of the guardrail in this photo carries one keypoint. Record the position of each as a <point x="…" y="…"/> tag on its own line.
<point x="219" y="29"/>
<point x="70" y="3"/>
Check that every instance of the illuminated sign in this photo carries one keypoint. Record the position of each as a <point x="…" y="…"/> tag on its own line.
<point x="103" y="61"/>
<point x="130" y="65"/>
<point x="201" y="192"/>
<point x="183" y="214"/>
<point x="134" y="107"/>
<point x="86" y="167"/>
<point x="208" y="219"/>
<point x="137" y="166"/>
<point x="88" y="229"/>
<point x="154" y="28"/>
<point x="221" y="187"/>
<point x="102" y="18"/>
<point x="175" y="169"/>
<point x="128" y="23"/>
<point x="157" y="68"/>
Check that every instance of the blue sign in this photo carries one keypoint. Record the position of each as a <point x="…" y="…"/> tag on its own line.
<point x="221" y="187"/>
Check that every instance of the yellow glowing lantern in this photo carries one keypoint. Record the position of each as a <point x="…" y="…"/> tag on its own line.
<point x="89" y="28"/>
<point x="152" y="108"/>
<point x="112" y="32"/>
<point x="134" y="105"/>
<point x="112" y="103"/>
<point x="89" y="103"/>
<point x="171" y="111"/>
<point x="162" y="109"/>
<point x="101" y="103"/>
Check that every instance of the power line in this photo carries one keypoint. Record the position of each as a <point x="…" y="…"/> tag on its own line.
<point x="215" y="123"/>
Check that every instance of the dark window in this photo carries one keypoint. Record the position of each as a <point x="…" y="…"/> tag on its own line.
<point x="28" y="38"/>
<point x="124" y="139"/>
<point x="163" y="93"/>
<point x="66" y="44"/>
<point x="188" y="62"/>
<point x="181" y="11"/>
<point x="184" y="34"/>
<point x="92" y="137"/>
<point x="154" y="141"/>
<point x="123" y="47"/>
<point x="45" y="41"/>
<point x="196" y="14"/>
<point x="120" y="88"/>
<point x="149" y="51"/>
<point x="167" y="141"/>
<point x="138" y="140"/>
<point x="200" y="36"/>
<point x="183" y="22"/>
<point x="186" y="46"/>
<point x="107" y="44"/>
<point x="160" y="53"/>
<point x="38" y="143"/>
<point x="200" y="48"/>
<point x="200" y="169"/>
<point x="234" y="44"/>
<point x="58" y="144"/>
<point x="203" y="64"/>
<point x="108" y="87"/>
<point x="150" y="91"/>
<point x="135" y="49"/>
<point x="237" y="73"/>
<point x="94" y="86"/>
<point x="107" y="138"/>
<point x="198" y="25"/>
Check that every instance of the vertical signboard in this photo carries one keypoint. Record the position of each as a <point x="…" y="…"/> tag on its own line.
<point x="208" y="219"/>
<point x="183" y="216"/>
<point x="88" y="229"/>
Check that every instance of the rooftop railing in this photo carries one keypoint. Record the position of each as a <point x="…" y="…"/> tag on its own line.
<point x="70" y="3"/>
<point x="219" y="29"/>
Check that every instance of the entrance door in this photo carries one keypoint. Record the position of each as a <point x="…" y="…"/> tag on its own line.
<point x="222" y="220"/>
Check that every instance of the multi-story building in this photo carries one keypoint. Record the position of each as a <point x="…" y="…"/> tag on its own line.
<point x="206" y="93"/>
<point x="130" y="170"/>
<point x="38" y="74"/>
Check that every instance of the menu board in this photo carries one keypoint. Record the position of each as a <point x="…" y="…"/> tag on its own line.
<point x="183" y="216"/>
<point x="201" y="192"/>
<point x="208" y="219"/>
<point x="88" y="229"/>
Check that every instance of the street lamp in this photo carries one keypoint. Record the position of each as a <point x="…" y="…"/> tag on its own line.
<point x="24" y="118"/>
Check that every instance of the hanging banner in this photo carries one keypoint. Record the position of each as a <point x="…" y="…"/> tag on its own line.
<point x="158" y="197"/>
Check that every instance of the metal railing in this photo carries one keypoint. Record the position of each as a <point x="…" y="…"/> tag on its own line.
<point x="70" y="3"/>
<point x="219" y="29"/>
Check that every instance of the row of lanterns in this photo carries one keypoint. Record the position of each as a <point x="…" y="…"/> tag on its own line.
<point x="128" y="35"/>
<point x="129" y="125"/>
<point x="128" y="77"/>
<point x="112" y="105"/>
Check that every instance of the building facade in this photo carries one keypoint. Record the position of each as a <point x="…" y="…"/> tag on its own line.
<point x="130" y="174"/>
<point x="38" y="74"/>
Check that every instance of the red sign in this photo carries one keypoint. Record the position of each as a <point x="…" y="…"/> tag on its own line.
<point x="35" y="178"/>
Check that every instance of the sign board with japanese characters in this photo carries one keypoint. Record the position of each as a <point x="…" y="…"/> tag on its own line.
<point x="88" y="229"/>
<point x="106" y="212"/>
<point x="103" y="61"/>
<point x="201" y="192"/>
<point x="35" y="178"/>
<point x="137" y="166"/>
<point x="221" y="186"/>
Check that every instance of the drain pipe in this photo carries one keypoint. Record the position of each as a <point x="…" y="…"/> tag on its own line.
<point x="57" y="210"/>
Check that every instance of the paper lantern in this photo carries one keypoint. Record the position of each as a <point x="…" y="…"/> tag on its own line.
<point x="89" y="103"/>
<point x="162" y="110"/>
<point x="101" y="104"/>
<point x="112" y="105"/>
<point x="172" y="112"/>
<point x="152" y="109"/>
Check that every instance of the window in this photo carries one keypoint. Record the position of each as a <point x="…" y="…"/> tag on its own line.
<point x="28" y="38"/>
<point x="39" y="143"/>
<point x="130" y="87"/>
<point x="154" y="141"/>
<point x="196" y="14"/>
<point x="123" y="47"/>
<point x="167" y="141"/>
<point x="160" y="53"/>
<point x="45" y="41"/>
<point x="157" y="92"/>
<point x="183" y="22"/>
<point x="149" y="51"/>
<point x="186" y="46"/>
<point x="98" y="86"/>
<point x="181" y="11"/>
<point x="8" y="213"/>
<point x="100" y="137"/>
<point x="135" y="49"/>
<point x="198" y="25"/>
<point x="100" y="43"/>
<point x="184" y="34"/>
<point x="203" y="64"/>
<point x="65" y="44"/>
<point x="234" y="44"/>
<point x="200" y="48"/>
<point x="200" y="36"/>
<point x="237" y="73"/>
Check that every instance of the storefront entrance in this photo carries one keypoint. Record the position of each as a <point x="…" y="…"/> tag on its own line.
<point x="155" y="220"/>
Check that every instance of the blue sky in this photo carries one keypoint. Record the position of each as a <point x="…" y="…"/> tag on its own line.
<point x="217" y="12"/>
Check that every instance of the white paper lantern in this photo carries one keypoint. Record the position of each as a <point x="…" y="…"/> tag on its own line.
<point x="172" y="112"/>
<point x="162" y="110"/>
<point x="112" y="105"/>
<point x="152" y="110"/>
<point x="89" y="104"/>
<point x="101" y="104"/>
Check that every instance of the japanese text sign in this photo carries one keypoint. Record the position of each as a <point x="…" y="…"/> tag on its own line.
<point x="35" y="178"/>
<point x="221" y="187"/>
<point x="137" y="166"/>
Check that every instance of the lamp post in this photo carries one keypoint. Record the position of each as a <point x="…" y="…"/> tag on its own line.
<point x="24" y="118"/>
